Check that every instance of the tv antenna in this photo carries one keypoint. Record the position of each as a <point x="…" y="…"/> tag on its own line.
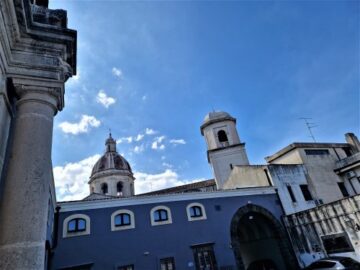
<point x="309" y="126"/>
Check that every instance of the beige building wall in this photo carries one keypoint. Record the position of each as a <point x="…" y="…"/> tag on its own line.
<point x="247" y="176"/>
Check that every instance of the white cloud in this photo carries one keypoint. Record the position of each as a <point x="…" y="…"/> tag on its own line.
<point x="157" y="143"/>
<point x="139" y="148"/>
<point x="83" y="126"/>
<point x="168" y="165"/>
<point x="178" y="141"/>
<point x="117" y="72"/>
<point x="159" y="139"/>
<point x="125" y="139"/>
<point x="71" y="180"/>
<point x="150" y="182"/>
<point x="149" y="131"/>
<point x="139" y="137"/>
<point x="104" y="99"/>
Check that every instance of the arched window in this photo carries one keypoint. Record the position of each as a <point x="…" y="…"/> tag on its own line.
<point x="195" y="211"/>
<point x="122" y="219"/>
<point x="160" y="215"/>
<point x="76" y="225"/>
<point x="104" y="188"/>
<point x="222" y="136"/>
<point x="119" y="188"/>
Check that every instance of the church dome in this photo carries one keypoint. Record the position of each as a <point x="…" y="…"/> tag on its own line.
<point x="216" y="116"/>
<point x="111" y="160"/>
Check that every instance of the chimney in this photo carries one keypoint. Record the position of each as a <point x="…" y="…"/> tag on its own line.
<point x="353" y="141"/>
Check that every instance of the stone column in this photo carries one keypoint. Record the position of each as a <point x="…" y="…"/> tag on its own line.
<point x="24" y="208"/>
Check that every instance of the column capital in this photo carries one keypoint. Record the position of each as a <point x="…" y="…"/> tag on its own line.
<point x="49" y="92"/>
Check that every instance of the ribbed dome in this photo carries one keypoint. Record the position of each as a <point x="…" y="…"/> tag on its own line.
<point x="111" y="160"/>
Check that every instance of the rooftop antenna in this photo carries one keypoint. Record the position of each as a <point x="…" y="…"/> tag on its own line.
<point x="110" y="132"/>
<point x="309" y="126"/>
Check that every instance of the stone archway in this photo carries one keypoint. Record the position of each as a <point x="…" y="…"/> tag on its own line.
<point x="256" y="235"/>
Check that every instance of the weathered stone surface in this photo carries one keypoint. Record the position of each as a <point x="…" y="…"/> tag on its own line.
<point x="37" y="55"/>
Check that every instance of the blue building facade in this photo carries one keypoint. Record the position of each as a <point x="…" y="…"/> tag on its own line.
<point x="224" y="233"/>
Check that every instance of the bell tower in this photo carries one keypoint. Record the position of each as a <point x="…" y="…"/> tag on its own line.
<point x="224" y="146"/>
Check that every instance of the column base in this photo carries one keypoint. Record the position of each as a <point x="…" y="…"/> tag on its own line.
<point x="23" y="256"/>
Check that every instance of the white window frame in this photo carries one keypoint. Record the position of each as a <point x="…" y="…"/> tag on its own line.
<point x="190" y="218"/>
<point x="125" y="227"/>
<point x="156" y="223"/>
<point x="71" y="234"/>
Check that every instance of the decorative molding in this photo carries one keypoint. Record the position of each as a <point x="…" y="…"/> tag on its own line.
<point x="140" y="200"/>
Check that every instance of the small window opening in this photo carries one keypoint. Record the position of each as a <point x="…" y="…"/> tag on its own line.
<point x="306" y="192"/>
<point x="122" y="220"/>
<point x="167" y="263"/>
<point x="104" y="188"/>
<point x="195" y="211"/>
<point x="160" y="215"/>
<point x="291" y="193"/>
<point x="343" y="189"/>
<point x="222" y="136"/>
<point x="76" y="225"/>
<point x="119" y="188"/>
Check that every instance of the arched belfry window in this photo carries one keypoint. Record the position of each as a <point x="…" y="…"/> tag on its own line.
<point x="119" y="188"/>
<point x="222" y="137"/>
<point x="104" y="188"/>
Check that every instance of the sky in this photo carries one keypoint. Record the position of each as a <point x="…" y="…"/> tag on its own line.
<point x="151" y="70"/>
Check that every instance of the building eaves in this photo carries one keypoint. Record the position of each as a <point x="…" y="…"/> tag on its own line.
<point x="295" y="145"/>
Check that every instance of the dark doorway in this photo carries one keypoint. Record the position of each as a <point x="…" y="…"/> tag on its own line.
<point x="259" y="241"/>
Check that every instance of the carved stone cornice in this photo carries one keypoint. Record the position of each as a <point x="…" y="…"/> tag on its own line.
<point x="35" y="41"/>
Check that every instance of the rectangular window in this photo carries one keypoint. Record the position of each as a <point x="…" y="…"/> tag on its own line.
<point x="167" y="263"/>
<point x="316" y="152"/>
<point x="337" y="243"/>
<point x="343" y="189"/>
<point x="126" y="267"/>
<point x="306" y="192"/>
<point x="292" y="196"/>
<point x="204" y="257"/>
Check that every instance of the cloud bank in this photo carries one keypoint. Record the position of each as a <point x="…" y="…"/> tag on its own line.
<point x="83" y="126"/>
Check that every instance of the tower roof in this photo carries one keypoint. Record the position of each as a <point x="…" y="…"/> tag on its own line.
<point x="214" y="117"/>
<point x="111" y="160"/>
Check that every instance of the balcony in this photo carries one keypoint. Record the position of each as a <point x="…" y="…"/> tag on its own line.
<point x="341" y="164"/>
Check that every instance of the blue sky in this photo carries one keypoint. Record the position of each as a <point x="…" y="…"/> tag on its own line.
<point x="161" y="66"/>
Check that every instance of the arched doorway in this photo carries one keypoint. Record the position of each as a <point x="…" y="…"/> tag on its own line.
<point x="259" y="241"/>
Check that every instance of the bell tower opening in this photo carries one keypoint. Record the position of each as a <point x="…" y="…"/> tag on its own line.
<point x="119" y="188"/>
<point x="222" y="137"/>
<point x="104" y="188"/>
